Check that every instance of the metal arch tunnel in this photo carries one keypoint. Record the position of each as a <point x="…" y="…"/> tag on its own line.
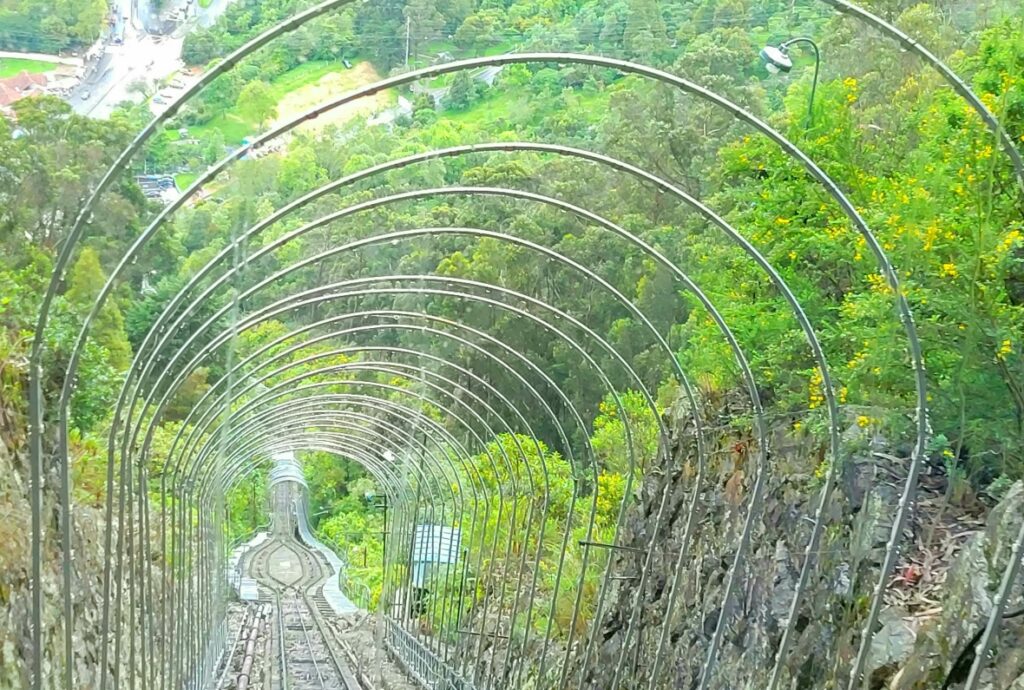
<point x="448" y="445"/>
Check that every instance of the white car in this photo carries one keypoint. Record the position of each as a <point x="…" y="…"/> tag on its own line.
<point x="85" y="95"/>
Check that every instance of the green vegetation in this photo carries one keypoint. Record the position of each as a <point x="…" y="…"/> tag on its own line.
<point x="12" y="66"/>
<point x="184" y="180"/>
<point x="46" y="27"/>
<point x="303" y="75"/>
<point x="921" y="167"/>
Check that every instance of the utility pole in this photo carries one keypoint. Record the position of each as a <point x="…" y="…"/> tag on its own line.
<point x="408" y="36"/>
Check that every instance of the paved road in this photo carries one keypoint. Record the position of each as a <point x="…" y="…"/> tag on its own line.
<point x="131" y="54"/>
<point x="144" y="54"/>
<point x="487" y="75"/>
<point x="142" y="57"/>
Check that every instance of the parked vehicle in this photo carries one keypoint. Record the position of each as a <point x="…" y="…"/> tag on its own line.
<point x="85" y="95"/>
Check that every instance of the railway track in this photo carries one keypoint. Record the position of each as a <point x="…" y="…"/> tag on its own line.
<point x="300" y="645"/>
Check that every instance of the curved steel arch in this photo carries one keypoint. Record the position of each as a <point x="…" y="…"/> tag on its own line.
<point x="522" y="313"/>
<point x="469" y="409"/>
<point x="707" y="213"/>
<point x="865" y="639"/>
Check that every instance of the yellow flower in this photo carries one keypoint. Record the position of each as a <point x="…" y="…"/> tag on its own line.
<point x="792" y="256"/>
<point x="877" y="282"/>
<point x="1011" y="239"/>
<point x="949" y="270"/>
<point x="814" y="394"/>
<point x="863" y="421"/>
<point x="843" y="393"/>
<point x="821" y="470"/>
<point x="1005" y="349"/>
<point x="782" y="221"/>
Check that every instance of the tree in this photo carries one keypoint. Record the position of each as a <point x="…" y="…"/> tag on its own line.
<point x="85" y="280"/>
<point x="479" y="29"/>
<point x="644" y="34"/>
<point x="422" y="15"/>
<point x="380" y="31"/>
<point x="300" y="171"/>
<point x="257" y="103"/>
<point x="462" y="91"/>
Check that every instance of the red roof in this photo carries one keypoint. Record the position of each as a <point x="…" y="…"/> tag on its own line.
<point x="20" y="85"/>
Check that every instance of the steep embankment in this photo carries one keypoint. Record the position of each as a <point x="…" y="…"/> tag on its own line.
<point x="952" y="559"/>
<point x="15" y="571"/>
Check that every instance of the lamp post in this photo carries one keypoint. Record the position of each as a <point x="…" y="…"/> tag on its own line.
<point x="776" y="59"/>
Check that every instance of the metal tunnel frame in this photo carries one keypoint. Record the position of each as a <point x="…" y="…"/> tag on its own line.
<point x="254" y="425"/>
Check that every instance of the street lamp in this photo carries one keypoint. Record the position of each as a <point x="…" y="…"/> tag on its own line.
<point x="776" y="59"/>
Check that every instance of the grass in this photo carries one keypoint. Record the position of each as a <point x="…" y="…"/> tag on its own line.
<point x="502" y="104"/>
<point x="184" y="180"/>
<point x="303" y="75"/>
<point x="516" y="107"/>
<point x="233" y="127"/>
<point x="10" y="67"/>
<point x="205" y="3"/>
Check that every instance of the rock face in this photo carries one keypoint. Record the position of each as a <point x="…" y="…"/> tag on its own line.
<point x="949" y="569"/>
<point x="87" y="588"/>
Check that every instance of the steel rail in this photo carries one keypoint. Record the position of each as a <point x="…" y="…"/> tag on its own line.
<point x="201" y="499"/>
<point x="294" y="435"/>
<point x="396" y="369"/>
<point x="284" y="386"/>
<point x="442" y="472"/>
<point x="330" y="443"/>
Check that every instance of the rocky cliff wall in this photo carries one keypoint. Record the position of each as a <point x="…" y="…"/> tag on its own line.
<point x="952" y="558"/>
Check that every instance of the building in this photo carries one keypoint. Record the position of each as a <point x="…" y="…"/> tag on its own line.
<point x="20" y="86"/>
